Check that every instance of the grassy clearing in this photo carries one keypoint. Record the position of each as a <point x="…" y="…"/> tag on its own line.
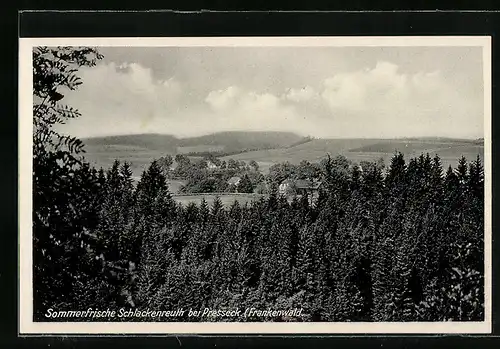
<point x="200" y="148"/>
<point x="406" y="146"/>
<point x="358" y="150"/>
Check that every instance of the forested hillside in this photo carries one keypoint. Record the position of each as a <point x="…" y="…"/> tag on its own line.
<point x="406" y="246"/>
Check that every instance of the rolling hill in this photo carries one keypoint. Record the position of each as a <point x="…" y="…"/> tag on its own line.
<point x="272" y="147"/>
<point x="367" y="150"/>
<point x="137" y="141"/>
<point x="238" y="141"/>
<point x="141" y="149"/>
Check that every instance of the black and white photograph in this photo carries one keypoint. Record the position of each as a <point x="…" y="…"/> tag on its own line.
<point x="235" y="185"/>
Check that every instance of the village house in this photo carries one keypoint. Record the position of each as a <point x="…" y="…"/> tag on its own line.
<point x="297" y="188"/>
<point x="286" y="187"/>
<point x="304" y="186"/>
<point x="234" y="181"/>
<point x="211" y="165"/>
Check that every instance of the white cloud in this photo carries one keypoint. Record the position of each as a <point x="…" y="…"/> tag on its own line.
<point x="238" y="109"/>
<point x="364" y="89"/>
<point x="304" y="94"/>
<point x="380" y="101"/>
<point x="222" y="99"/>
<point x="393" y="104"/>
<point x="126" y="98"/>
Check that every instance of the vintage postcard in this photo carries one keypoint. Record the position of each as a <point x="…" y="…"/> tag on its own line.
<point x="308" y="185"/>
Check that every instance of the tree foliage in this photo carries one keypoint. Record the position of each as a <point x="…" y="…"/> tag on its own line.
<point x="65" y="190"/>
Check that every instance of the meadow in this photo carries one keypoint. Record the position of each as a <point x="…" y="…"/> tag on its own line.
<point x="358" y="150"/>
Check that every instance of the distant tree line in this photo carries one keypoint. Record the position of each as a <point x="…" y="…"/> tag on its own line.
<point x="222" y="153"/>
<point x="402" y="243"/>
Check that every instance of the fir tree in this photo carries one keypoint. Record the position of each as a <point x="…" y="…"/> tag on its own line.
<point x="245" y="185"/>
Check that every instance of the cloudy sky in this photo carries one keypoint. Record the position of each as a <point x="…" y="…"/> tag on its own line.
<point x="333" y="92"/>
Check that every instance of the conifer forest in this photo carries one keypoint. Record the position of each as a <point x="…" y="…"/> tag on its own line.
<point x="397" y="242"/>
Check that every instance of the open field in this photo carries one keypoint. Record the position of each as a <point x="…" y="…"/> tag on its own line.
<point x="358" y="150"/>
<point x="138" y="156"/>
<point x="200" y="148"/>
<point x="226" y="199"/>
<point x="175" y="185"/>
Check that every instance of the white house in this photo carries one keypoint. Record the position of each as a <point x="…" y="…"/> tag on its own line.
<point x="285" y="186"/>
<point x="234" y="181"/>
<point x="211" y="165"/>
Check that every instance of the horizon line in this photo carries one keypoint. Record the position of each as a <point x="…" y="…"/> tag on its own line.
<point x="277" y="131"/>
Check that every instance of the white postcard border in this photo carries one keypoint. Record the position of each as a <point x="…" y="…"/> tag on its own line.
<point x="26" y="324"/>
